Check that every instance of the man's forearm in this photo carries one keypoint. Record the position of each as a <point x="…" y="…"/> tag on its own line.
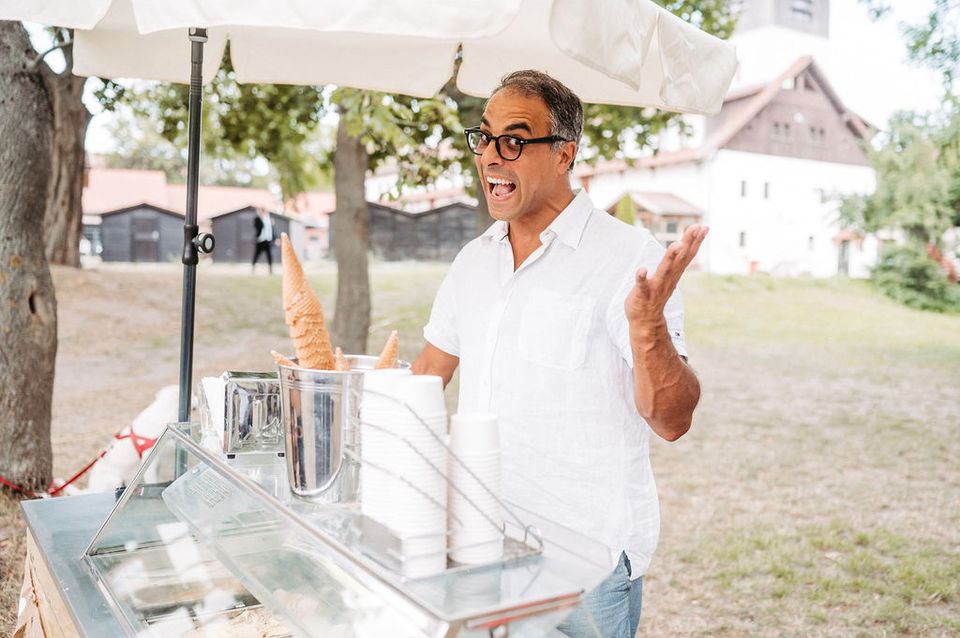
<point x="665" y="387"/>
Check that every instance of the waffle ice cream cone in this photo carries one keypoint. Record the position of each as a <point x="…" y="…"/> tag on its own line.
<point x="282" y="360"/>
<point x="341" y="363"/>
<point x="304" y="314"/>
<point x="388" y="358"/>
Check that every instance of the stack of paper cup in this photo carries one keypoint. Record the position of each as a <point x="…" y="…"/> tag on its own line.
<point x="476" y="518"/>
<point x="403" y="483"/>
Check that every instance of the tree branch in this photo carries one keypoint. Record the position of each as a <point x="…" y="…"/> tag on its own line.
<point x="35" y="63"/>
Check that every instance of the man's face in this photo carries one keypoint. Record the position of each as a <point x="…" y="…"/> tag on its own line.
<point x="537" y="174"/>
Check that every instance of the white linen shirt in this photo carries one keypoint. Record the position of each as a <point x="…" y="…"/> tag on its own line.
<point x="547" y="349"/>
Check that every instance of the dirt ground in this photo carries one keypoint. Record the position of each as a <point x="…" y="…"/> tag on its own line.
<point x="817" y="494"/>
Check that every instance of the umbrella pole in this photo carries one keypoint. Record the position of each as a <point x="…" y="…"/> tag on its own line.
<point x="192" y="241"/>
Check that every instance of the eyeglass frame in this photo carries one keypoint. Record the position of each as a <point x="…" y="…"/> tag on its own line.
<point x="550" y="139"/>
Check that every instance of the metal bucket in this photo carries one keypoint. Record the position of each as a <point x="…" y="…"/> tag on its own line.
<point x="321" y="422"/>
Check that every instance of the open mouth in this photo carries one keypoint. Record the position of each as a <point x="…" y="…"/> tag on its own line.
<point x="500" y="189"/>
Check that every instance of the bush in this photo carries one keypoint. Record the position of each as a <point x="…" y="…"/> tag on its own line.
<point x="907" y="274"/>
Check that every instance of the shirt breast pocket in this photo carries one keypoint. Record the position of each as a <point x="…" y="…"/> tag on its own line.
<point x="554" y="328"/>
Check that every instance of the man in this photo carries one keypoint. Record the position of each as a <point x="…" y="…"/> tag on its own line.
<point x="263" y="239"/>
<point x="560" y="329"/>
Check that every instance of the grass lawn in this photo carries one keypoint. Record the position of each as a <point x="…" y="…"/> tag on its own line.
<point x="817" y="494"/>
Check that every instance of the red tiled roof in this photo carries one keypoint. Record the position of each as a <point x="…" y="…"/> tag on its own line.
<point x="109" y="189"/>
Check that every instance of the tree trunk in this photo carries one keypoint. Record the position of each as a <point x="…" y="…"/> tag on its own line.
<point x="350" y="222"/>
<point x="63" y="219"/>
<point x="28" y="318"/>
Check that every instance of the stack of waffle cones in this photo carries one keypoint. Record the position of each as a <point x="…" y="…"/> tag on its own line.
<point x="308" y="329"/>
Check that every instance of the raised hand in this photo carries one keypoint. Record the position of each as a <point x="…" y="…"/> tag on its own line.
<point x="645" y="301"/>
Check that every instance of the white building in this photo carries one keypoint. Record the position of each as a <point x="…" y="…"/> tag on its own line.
<point x="766" y="171"/>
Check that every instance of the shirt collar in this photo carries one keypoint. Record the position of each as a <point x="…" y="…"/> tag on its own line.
<point x="570" y="223"/>
<point x="568" y="226"/>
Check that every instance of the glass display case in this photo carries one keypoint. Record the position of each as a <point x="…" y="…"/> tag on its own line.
<point x="199" y="546"/>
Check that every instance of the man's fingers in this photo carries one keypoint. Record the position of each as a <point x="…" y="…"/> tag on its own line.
<point x="667" y="262"/>
<point x="698" y="239"/>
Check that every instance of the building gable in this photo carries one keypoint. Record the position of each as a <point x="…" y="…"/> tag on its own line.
<point x="802" y="119"/>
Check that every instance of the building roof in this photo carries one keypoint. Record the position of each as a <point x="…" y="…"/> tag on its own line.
<point x="749" y="102"/>
<point x="418" y="214"/>
<point x="661" y="203"/>
<point x="107" y="189"/>
<point x="114" y="189"/>
<point x="127" y="209"/>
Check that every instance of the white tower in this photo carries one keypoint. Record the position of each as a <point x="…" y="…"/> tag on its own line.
<point x="772" y="34"/>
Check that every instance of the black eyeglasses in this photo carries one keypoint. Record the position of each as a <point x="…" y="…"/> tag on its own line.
<point x="511" y="145"/>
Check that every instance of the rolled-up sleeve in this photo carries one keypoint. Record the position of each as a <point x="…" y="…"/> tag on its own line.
<point x="617" y="325"/>
<point x="441" y="330"/>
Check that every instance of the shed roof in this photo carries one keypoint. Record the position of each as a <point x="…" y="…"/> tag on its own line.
<point x="660" y="203"/>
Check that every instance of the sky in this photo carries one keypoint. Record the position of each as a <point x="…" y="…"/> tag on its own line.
<point x="870" y="70"/>
<point x="868" y="66"/>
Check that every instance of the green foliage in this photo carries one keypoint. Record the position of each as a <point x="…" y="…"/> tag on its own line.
<point x="412" y="132"/>
<point x="918" y="180"/>
<point x="246" y="123"/>
<point x="140" y="146"/>
<point x="933" y="42"/>
<point x="918" y="193"/>
<point x="626" y="211"/>
<point x="275" y="122"/>
<point x="907" y="274"/>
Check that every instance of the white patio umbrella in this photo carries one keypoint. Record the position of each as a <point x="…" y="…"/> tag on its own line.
<point x="628" y="52"/>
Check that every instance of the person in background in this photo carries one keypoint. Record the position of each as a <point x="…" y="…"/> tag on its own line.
<point x="263" y="239"/>
<point x="567" y="324"/>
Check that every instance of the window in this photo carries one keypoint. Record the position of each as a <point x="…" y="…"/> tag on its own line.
<point x="781" y="130"/>
<point x="802" y="10"/>
<point x="672" y="228"/>
<point x="810" y="243"/>
<point x="743" y="188"/>
<point x="817" y="135"/>
<point x="766" y="190"/>
<point x="743" y="239"/>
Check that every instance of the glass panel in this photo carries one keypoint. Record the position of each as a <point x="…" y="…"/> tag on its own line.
<point x="204" y="549"/>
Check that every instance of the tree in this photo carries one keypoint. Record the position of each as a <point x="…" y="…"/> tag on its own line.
<point x="241" y="123"/>
<point x="626" y="211"/>
<point x="933" y="42"/>
<point x="138" y="144"/>
<point x="917" y="194"/>
<point x="918" y="181"/>
<point x="63" y="212"/>
<point x="280" y="124"/>
<point x="374" y="128"/>
<point x="28" y="318"/>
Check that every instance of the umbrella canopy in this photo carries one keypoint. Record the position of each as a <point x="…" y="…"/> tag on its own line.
<point x="629" y="52"/>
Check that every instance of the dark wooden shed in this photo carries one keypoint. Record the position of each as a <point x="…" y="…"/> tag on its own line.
<point x="141" y="233"/>
<point x="234" y="233"/>
<point x="433" y="235"/>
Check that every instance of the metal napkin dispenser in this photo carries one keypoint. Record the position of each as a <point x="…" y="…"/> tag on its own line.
<point x="253" y="420"/>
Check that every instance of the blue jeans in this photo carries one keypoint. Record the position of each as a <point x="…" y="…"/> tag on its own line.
<point x="612" y="610"/>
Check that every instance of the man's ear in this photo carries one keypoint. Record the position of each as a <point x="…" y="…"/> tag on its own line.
<point x="565" y="156"/>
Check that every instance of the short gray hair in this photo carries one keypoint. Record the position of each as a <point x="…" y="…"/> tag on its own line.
<point x="564" y="107"/>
